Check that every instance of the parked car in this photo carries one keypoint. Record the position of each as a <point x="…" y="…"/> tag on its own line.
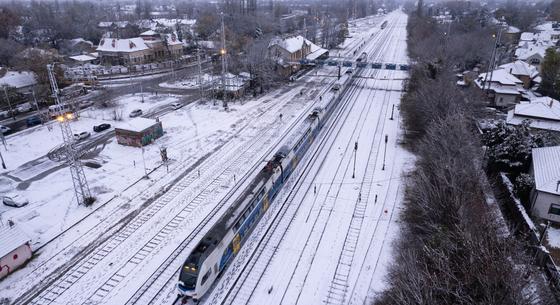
<point x="101" y="127"/>
<point x="177" y="105"/>
<point x="25" y="107"/>
<point x="135" y="113"/>
<point x="4" y="129"/>
<point x="14" y="200"/>
<point x="82" y="135"/>
<point x="32" y="121"/>
<point x="4" y="114"/>
<point x="85" y="104"/>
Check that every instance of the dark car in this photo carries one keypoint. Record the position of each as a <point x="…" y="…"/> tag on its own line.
<point x="32" y="121"/>
<point x="101" y="127"/>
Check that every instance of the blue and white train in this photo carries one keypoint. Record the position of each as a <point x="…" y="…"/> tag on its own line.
<point x="224" y="240"/>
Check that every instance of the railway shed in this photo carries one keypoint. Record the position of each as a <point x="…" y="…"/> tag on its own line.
<point x="138" y="132"/>
<point x="15" y="249"/>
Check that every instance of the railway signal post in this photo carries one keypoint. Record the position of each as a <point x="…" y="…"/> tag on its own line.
<point x="355" y="153"/>
<point x="385" y="152"/>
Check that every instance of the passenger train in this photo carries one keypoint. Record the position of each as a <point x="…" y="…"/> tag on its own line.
<point x="224" y="240"/>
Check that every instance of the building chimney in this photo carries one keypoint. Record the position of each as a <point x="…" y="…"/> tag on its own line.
<point x="550" y="104"/>
<point x="510" y="70"/>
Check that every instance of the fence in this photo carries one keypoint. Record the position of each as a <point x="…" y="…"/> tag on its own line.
<point x="524" y="227"/>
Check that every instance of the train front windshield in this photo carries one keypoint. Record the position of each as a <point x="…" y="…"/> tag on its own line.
<point x="188" y="276"/>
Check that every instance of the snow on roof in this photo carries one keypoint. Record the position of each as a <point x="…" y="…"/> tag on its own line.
<point x="513" y="30"/>
<point x="149" y="33"/>
<point x="525" y="53"/>
<point x="137" y="124"/>
<point x="520" y="67"/>
<point x="122" y="45"/>
<point x="547" y="169"/>
<point x="500" y="76"/>
<point x="291" y="44"/>
<point x="172" y="39"/>
<point x="541" y="107"/>
<point x="83" y="58"/>
<point x="526" y="36"/>
<point x="18" y="79"/>
<point x="76" y="41"/>
<point x="11" y="238"/>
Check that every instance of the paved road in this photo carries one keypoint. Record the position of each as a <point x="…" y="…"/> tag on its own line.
<point x="118" y="87"/>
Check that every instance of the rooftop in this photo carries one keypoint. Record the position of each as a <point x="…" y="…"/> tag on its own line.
<point x="137" y="124"/>
<point x="520" y="67"/>
<point x="122" y="45"/>
<point x="500" y="76"/>
<point x="82" y="58"/>
<point x="547" y="169"/>
<point x="11" y="238"/>
<point x="18" y="79"/>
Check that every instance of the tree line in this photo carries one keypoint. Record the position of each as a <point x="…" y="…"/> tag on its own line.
<point x="451" y="248"/>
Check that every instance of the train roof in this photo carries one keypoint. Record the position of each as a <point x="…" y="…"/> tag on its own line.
<point x="213" y="237"/>
<point x="294" y="137"/>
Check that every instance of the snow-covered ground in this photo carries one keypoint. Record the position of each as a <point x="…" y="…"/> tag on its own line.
<point x="332" y="241"/>
<point x="202" y="141"/>
<point x="190" y="83"/>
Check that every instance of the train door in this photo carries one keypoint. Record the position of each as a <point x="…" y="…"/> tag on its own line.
<point x="236" y="243"/>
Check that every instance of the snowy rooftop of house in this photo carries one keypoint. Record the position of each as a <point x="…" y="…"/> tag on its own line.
<point x="82" y="58"/>
<point x="547" y="27"/>
<point x="18" y="79"/>
<point x="149" y="33"/>
<point x="500" y="76"/>
<point x="75" y="41"/>
<point x="527" y="36"/>
<point x="547" y="169"/>
<point x="11" y="238"/>
<point x="137" y="124"/>
<point x="513" y="30"/>
<point x="122" y="45"/>
<point x="291" y="44"/>
<point x="172" y="39"/>
<point x="541" y="107"/>
<point x="525" y="53"/>
<point x="520" y="67"/>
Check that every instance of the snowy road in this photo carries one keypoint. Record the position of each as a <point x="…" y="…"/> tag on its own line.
<point x="331" y="240"/>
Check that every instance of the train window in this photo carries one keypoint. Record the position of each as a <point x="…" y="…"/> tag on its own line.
<point x="206" y="276"/>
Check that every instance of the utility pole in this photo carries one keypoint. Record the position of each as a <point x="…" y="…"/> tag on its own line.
<point x="200" y="89"/>
<point x="492" y="60"/>
<point x="355" y="153"/>
<point x="9" y="104"/>
<point x="392" y="111"/>
<point x="2" y="159"/>
<point x="385" y="152"/>
<point x="81" y="188"/>
<point x="223" y="51"/>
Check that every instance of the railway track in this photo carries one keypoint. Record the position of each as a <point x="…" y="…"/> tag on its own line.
<point x="270" y="245"/>
<point x="55" y="285"/>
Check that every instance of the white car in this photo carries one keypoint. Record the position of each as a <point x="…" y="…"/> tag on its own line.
<point x="25" y="107"/>
<point x="135" y="113"/>
<point x="177" y="105"/>
<point x="4" y="129"/>
<point x="14" y="200"/>
<point x="82" y="135"/>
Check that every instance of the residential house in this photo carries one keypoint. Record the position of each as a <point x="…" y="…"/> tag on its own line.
<point x="545" y="196"/>
<point x="523" y="71"/>
<point x="149" y="47"/>
<point x="22" y="81"/>
<point x="542" y="112"/>
<point x="290" y="51"/>
<point x="15" y="249"/>
<point x="505" y="89"/>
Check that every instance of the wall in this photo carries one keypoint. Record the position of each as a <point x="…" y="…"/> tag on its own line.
<point x="506" y="100"/>
<point x="541" y="204"/>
